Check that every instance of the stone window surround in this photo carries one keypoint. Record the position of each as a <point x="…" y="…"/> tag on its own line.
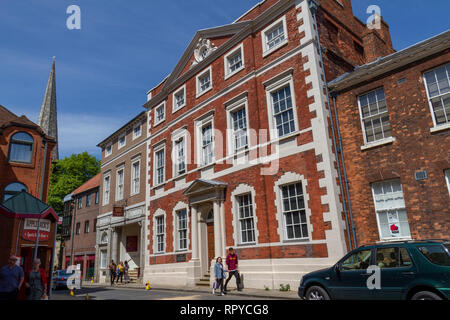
<point x="161" y="105"/>
<point x="159" y="213"/>
<point x="133" y="161"/>
<point x="180" y="206"/>
<point x="233" y="107"/>
<point x="243" y="189"/>
<point x="120" y="168"/>
<point x="108" y="146"/>
<point x="106" y="175"/>
<point x="123" y="135"/>
<point x="175" y="107"/>
<point x="178" y="134"/>
<point x="447" y="178"/>
<point x="158" y="147"/>
<point x="276" y="83"/>
<point x="287" y="179"/>
<point x="232" y="52"/>
<point x="265" y="49"/>
<point x="197" y="81"/>
<point x="201" y="122"/>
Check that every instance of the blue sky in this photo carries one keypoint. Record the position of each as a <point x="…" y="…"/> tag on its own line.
<point x="125" y="48"/>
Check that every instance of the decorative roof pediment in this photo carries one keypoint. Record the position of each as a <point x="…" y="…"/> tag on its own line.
<point x="201" y="186"/>
<point x="201" y="48"/>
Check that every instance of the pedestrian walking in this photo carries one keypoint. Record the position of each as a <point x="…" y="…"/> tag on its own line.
<point x="219" y="275"/>
<point x="232" y="264"/>
<point x="112" y="271"/>
<point x="11" y="280"/>
<point x="126" y="267"/>
<point x="36" y="282"/>
<point x="120" y="270"/>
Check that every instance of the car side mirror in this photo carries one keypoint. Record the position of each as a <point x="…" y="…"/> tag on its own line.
<point x="337" y="269"/>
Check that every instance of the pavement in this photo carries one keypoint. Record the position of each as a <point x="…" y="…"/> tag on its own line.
<point x="245" y="293"/>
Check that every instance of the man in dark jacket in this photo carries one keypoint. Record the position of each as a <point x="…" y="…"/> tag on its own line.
<point x="11" y="279"/>
<point x="232" y="264"/>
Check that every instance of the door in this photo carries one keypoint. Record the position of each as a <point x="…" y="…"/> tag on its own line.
<point x="396" y="271"/>
<point x="211" y="249"/>
<point x="351" y="280"/>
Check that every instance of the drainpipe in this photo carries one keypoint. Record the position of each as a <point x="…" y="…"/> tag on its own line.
<point x="314" y="6"/>
<point x="344" y="170"/>
<point x="41" y="194"/>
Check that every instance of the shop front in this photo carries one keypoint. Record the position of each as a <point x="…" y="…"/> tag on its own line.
<point x="27" y="230"/>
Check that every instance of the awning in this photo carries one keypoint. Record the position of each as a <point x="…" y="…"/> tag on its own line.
<point x="24" y="205"/>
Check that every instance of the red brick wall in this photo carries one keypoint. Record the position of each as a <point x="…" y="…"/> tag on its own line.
<point x="416" y="148"/>
<point x="28" y="174"/>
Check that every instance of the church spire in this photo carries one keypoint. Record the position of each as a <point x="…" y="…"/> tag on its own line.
<point x="48" y="119"/>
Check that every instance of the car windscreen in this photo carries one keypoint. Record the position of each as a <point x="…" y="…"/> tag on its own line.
<point x="436" y="254"/>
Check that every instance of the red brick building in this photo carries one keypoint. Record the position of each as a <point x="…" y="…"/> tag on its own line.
<point x="25" y="160"/>
<point x="83" y="228"/>
<point x="394" y="119"/>
<point x="240" y="149"/>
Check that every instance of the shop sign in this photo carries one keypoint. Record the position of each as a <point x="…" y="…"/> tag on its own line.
<point x="30" y="229"/>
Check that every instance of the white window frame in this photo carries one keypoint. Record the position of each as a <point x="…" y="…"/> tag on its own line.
<point x="124" y="136"/>
<point x="380" y="115"/>
<point x="134" y="178"/>
<point x="156" y="150"/>
<point x="135" y="136"/>
<point x="175" y="106"/>
<point x="159" y="214"/>
<point x="163" y="107"/>
<point x="250" y="196"/>
<point x="447" y="178"/>
<point x="436" y="127"/>
<point x="106" y="191"/>
<point x="378" y="211"/>
<point x="103" y="259"/>
<point x="108" y="146"/>
<point x="200" y="124"/>
<point x="228" y="73"/>
<point x="176" y="137"/>
<point x="119" y="196"/>
<point x="265" y="49"/>
<point x="273" y="86"/>
<point x="178" y="230"/>
<point x="232" y="108"/>
<point x="288" y="211"/>
<point x="197" y="81"/>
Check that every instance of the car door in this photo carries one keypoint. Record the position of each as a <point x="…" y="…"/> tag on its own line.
<point x="396" y="271"/>
<point x="351" y="280"/>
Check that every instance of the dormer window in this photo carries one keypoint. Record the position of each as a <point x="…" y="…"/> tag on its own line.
<point x="21" y="148"/>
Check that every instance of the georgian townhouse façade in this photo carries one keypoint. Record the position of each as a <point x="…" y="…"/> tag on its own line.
<point x="123" y="187"/>
<point x="240" y="149"/>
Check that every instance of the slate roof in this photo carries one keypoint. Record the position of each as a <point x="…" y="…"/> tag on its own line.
<point x="88" y="185"/>
<point x="25" y="203"/>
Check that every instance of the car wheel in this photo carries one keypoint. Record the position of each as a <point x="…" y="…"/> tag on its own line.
<point x="317" y="293"/>
<point x="425" y="295"/>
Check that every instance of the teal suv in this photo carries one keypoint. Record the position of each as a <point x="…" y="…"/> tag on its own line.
<point x="406" y="270"/>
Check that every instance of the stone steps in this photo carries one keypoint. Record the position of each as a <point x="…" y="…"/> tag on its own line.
<point x="204" y="281"/>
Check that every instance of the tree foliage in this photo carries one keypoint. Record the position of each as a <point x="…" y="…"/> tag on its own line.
<point x="68" y="174"/>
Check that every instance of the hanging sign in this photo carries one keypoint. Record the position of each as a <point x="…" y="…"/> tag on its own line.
<point x="117" y="212"/>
